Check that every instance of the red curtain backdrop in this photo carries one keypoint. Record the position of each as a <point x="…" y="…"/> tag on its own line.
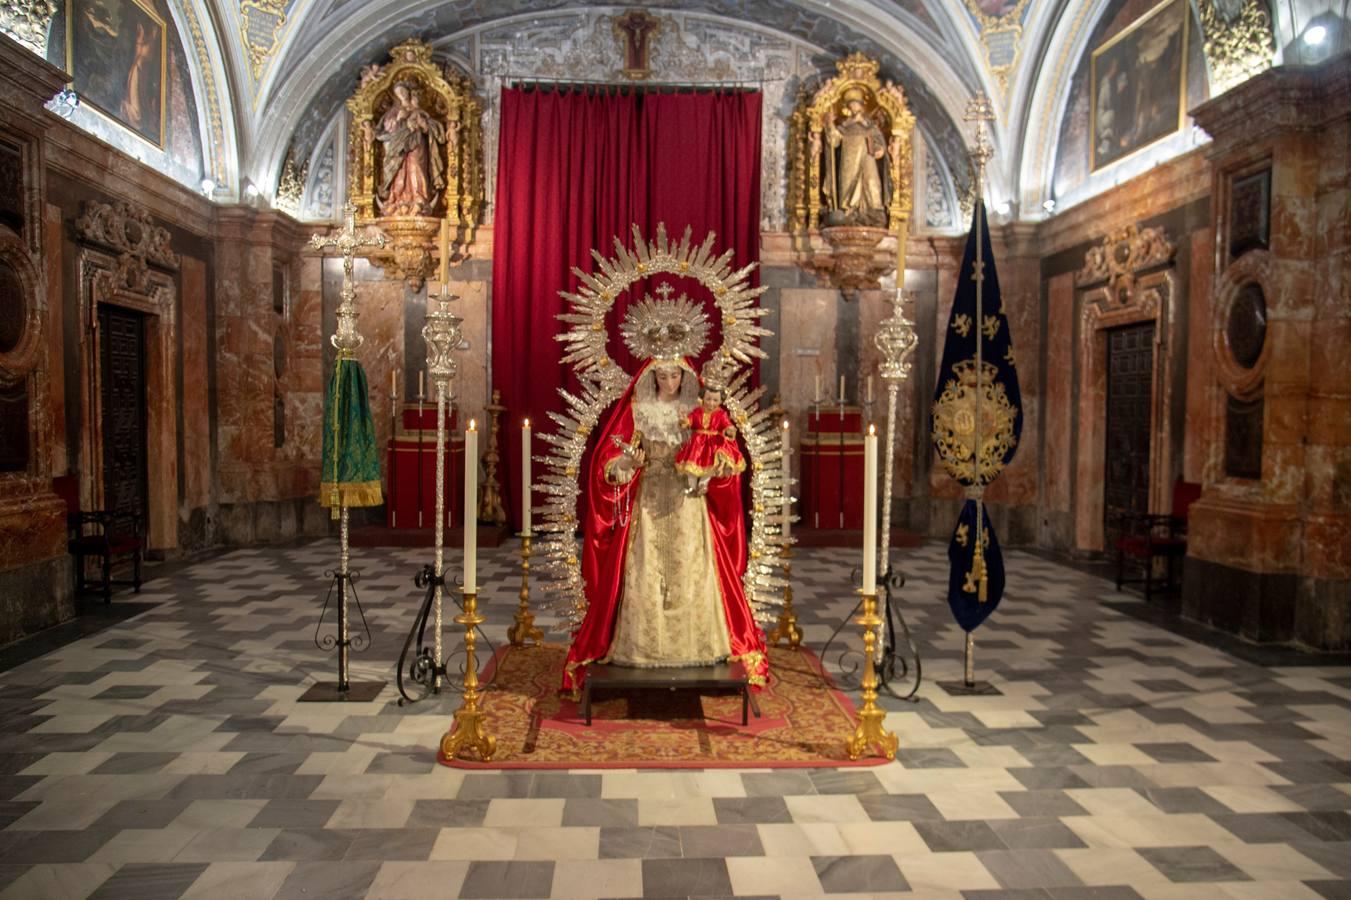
<point x="575" y="169"/>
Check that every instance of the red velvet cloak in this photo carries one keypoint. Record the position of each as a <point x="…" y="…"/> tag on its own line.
<point x="605" y="537"/>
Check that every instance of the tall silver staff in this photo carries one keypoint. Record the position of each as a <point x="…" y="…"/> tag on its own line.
<point x="442" y="335"/>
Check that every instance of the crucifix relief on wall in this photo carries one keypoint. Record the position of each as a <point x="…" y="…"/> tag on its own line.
<point x="634" y="30"/>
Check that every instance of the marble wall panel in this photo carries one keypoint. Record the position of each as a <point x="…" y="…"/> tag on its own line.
<point x="1058" y="404"/>
<point x="1201" y="430"/>
<point x="196" y="401"/>
<point x="807" y="350"/>
<point x="55" y="334"/>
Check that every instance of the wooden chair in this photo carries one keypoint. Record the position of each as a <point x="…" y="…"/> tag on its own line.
<point x="1145" y="538"/>
<point x="111" y="537"/>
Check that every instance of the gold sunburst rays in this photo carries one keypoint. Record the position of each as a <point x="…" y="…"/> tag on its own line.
<point x="602" y="382"/>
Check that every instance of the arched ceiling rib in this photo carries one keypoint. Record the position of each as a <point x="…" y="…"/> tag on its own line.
<point x="323" y="58"/>
<point x="934" y="48"/>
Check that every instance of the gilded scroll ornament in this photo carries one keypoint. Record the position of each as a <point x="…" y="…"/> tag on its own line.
<point x="291" y="187"/>
<point x="260" y="27"/>
<point x="1122" y="255"/>
<point x="1238" y="45"/>
<point x="27" y="21"/>
<point x="954" y="428"/>
<point x="416" y="151"/>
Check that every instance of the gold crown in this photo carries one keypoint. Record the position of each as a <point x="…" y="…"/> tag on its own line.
<point x="854" y="93"/>
<point x="665" y="329"/>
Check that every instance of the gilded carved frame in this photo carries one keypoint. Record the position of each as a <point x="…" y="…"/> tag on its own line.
<point x="450" y="97"/>
<point x="806" y="144"/>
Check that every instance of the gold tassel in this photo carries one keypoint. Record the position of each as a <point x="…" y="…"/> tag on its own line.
<point x="978" y="569"/>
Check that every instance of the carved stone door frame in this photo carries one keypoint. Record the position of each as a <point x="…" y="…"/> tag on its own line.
<point x="125" y="279"/>
<point x="1127" y="280"/>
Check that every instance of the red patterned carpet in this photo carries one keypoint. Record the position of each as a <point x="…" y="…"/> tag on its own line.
<point x="803" y="721"/>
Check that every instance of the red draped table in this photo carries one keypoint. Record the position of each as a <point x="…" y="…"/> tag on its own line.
<point x="410" y="470"/>
<point x="832" y="468"/>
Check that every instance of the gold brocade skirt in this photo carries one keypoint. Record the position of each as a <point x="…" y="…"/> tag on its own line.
<point x="670" y="612"/>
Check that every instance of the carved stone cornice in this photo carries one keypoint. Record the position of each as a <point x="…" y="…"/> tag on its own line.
<point x="131" y="233"/>
<point x="1279" y="100"/>
<point x="1123" y="255"/>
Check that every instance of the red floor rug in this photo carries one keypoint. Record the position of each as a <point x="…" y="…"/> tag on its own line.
<point x="804" y="721"/>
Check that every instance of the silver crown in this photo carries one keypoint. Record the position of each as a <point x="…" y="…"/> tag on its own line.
<point x="665" y="329"/>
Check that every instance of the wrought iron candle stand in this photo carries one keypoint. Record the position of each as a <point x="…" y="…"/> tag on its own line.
<point x="427" y="666"/>
<point x="346" y="341"/>
<point x="895" y="340"/>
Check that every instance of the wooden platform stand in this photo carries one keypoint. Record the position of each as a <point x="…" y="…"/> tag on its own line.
<point x="725" y="677"/>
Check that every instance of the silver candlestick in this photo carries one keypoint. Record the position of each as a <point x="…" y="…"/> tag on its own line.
<point x="442" y="336"/>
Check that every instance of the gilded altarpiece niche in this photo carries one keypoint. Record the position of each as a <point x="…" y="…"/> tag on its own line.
<point x="415" y="150"/>
<point x="850" y="171"/>
<point x="1126" y="280"/>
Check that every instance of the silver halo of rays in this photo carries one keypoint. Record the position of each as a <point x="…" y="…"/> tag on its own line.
<point x="602" y="382"/>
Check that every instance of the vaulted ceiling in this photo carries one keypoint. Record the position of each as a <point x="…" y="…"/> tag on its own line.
<point x="270" y="76"/>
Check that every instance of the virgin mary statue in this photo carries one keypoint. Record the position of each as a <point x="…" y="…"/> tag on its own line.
<point x="662" y="566"/>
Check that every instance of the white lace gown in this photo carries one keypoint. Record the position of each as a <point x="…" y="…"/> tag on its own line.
<point x="670" y="612"/>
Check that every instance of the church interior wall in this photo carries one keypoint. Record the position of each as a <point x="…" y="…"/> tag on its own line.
<point x="248" y="356"/>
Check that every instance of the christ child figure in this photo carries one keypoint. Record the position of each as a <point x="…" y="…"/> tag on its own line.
<point x="711" y="450"/>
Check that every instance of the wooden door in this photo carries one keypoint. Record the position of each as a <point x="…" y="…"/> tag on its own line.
<point x="1130" y="376"/>
<point x="122" y="379"/>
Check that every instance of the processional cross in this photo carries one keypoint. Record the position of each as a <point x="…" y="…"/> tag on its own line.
<point x="347" y="242"/>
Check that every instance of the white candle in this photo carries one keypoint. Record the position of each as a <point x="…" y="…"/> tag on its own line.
<point x="525" y="477"/>
<point x="816" y="391"/>
<point x="870" y="389"/>
<point x="394" y="382"/>
<point x="787" y="483"/>
<point x="870" y="511"/>
<point x="841" y="388"/>
<point x="470" y="507"/>
<point x="420" y="394"/>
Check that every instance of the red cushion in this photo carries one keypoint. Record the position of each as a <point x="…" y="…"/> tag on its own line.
<point x="1133" y="545"/>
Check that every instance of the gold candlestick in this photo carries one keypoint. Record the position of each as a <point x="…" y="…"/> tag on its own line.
<point x="490" y="506"/>
<point x="870" y="731"/>
<point x="524" y="629"/>
<point x="786" y="628"/>
<point x="468" y="731"/>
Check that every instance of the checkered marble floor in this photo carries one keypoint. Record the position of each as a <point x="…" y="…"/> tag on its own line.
<point x="168" y="756"/>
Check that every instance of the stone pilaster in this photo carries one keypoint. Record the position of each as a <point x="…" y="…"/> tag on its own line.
<point x="1270" y="557"/>
<point x="36" y="590"/>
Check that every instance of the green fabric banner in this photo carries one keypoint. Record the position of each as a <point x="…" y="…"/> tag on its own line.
<point x="351" y="473"/>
